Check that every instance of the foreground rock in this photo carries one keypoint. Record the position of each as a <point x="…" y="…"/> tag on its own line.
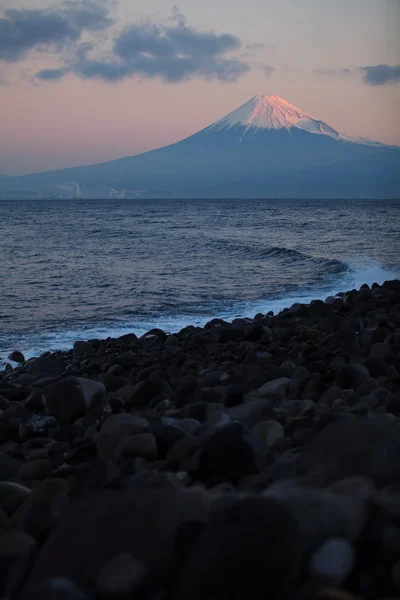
<point x="267" y="449"/>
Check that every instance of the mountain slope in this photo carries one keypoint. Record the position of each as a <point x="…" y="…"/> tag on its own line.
<point x="267" y="147"/>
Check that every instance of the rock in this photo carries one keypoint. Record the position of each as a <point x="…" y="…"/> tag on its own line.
<point x="358" y="494"/>
<point x="57" y="588"/>
<point x="17" y="550"/>
<point x="166" y="437"/>
<point x="276" y="389"/>
<point x="298" y="381"/>
<point x="141" y="444"/>
<point x="183" y="450"/>
<point x="39" y="511"/>
<point x="36" y="426"/>
<point x="188" y="426"/>
<point x="396" y="573"/>
<point x="376" y="366"/>
<point x="12" y="495"/>
<point x="35" y="401"/>
<point x="225" y="455"/>
<point x="187" y="392"/>
<point x="115" y="427"/>
<point x="270" y="432"/>
<point x="121" y="576"/>
<point x="17" y="357"/>
<point x="43" y="366"/>
<point x="81" y="349"/>
<point x="257" y="542"/>
<point x="36" y="469"/>
<point x="381" y="350"/>
<point x="329" y="519"/>
<point x="72" y="397"/>
<point x="252" y="412"/>
<point x="15" y="410"/>
<point x="352" y="447"/>
<point x="9" y="466"/>
<point x="351" y="376"/>
<point x="78" y="546"/>
<point x="331" y="394"/>
<point x="333" y="562"/>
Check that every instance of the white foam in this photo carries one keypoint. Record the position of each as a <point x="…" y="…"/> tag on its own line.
<point x="357" y="275"/>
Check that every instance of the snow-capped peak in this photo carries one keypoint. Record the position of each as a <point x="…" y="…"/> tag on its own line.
<point x="272" y="112"/>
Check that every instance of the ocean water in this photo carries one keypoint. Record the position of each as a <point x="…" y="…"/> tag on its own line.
<point x="81" y="269"/>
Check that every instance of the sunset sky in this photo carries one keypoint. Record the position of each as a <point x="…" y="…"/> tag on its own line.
<point x="84" y="81"/>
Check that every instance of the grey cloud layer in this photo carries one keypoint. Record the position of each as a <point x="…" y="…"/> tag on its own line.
<point x="381" y="74"/>
<point x="373" y="75"/>
<point x="24" y="30"/>
<point x="173" y="52"/>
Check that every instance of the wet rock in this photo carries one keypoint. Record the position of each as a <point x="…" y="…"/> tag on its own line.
<point x="17" y="357"/>
<point x="81" y="349"/>
<point x="72" y="397"/>
<point x="43" y="366"/>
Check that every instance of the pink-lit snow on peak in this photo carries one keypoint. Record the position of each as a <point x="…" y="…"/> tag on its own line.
<point x="272" y="112"/>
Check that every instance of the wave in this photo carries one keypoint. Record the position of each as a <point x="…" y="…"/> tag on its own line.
<point x="353" y="277"/>
<point x="279" y="253"/>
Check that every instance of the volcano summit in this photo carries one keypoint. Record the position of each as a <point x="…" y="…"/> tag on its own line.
<point x="267" y="148"/>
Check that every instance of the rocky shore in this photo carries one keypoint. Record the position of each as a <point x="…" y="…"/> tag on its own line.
<point x="254" y="459"/>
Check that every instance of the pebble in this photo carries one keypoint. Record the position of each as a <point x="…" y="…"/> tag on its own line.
<point x="39" y="468"/>
<point x="271" y="432"/>
<point x="141" y="444"/>
<point x="333" y="562"/>
<point x="121" y="576"/>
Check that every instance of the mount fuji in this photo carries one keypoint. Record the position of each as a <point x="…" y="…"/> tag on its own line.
<point x="267" y="148"/>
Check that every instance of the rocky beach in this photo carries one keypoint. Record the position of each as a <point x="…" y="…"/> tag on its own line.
<point x="253" y="459"/>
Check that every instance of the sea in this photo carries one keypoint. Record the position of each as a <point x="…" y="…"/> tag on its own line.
<point x="83" y="269"/>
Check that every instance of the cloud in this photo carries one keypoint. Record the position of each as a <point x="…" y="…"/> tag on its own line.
<point x="333" y="72"/>
<point x="27" y="29"/>
<point x="52" y="74"/>
<point x="268" y="70"/>
<point x="380" y="74"/>
<point x="174" y="52"/>
<point x="254" y="46"/>
<point x="3" y="79"/>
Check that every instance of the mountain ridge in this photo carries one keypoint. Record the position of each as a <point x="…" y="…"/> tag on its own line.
<point x="265" y="139"/>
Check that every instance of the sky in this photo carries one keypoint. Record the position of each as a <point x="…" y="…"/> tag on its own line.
<point x="85" y="81"/>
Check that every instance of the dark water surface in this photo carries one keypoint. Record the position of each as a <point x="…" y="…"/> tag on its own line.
<point x="79" y="269"/>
